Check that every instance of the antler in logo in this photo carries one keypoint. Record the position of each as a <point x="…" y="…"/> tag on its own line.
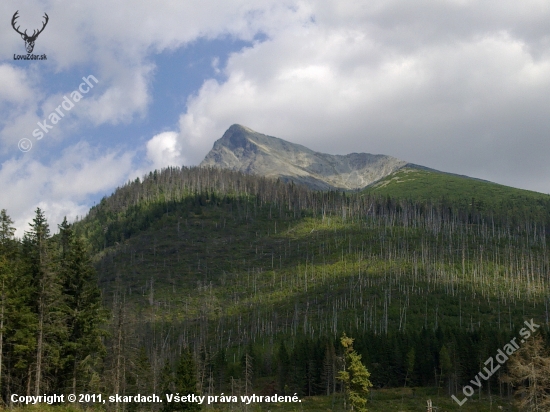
<point x="29" y="40"/>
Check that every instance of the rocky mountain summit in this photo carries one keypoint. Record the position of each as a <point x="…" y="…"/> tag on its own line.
<point x="245" y="150"/>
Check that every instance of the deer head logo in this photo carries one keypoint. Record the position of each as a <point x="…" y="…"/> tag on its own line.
<point x="29" y="40"/>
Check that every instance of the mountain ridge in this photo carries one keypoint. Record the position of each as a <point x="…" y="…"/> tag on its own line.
<point x="243" y="149"/>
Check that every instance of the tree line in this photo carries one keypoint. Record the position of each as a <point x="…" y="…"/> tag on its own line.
<point x="138" y="204"/>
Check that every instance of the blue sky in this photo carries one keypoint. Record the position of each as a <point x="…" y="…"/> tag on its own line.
<point x="454" y="85"/>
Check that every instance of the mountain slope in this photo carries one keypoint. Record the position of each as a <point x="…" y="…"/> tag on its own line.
<point x="242" y="149"/>
<point x="216" y="259"/>
<point x="463" y="192"/>
<point x="228" y="263"/>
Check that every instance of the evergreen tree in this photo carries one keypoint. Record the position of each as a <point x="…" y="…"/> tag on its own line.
<point x="183" y="382"/>
<point x="283" y="366"/>
<point x="84" y="313"/>
<point x="49" y="308"/>
<point x="186" y="379"/>
<point x="298" y="375"/>
<point x="7" y="252"/>
<point x="355" y="377"/>
<point x="139" y="380"/>
<point x="329" y="369"/>
<point x="248" y="373"/>
<point x="17" y="321"/>
<point x="118" y="345"/>
<point x="7" y="232"/>
<point x="409" y="365"/>
<point x="445" y="366"/>
<point x="167" y="385"/>
<point x="220" y="369"/>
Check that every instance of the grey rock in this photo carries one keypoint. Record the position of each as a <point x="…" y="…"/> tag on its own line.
<point x="245" y="150"/>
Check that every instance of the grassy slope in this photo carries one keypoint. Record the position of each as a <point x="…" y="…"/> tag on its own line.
<point x="422" y="185"/>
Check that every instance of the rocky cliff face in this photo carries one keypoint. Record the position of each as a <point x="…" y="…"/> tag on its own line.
<point x="245" y="150"/>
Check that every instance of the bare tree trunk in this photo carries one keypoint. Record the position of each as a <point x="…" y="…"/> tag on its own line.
<point x="39" y="345"/>
<point x="248" y="371"/>
<point x="29" y="378"/>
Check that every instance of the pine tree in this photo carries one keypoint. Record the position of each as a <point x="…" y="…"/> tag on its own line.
<point x="7" y="251"/>
<point x="7" y="232"/>
<point x="167" y="385"/>
<point x="283" y="366"/>
<point x="409" y="365"/>
<point x="17" y="321"/>
<point x="248" y="373"/>
<point x="445" y="366"/>
<point x="182" y="382"/>
<point x="329" y="369"/>
<point x="118" y="345"/>
<point x="186" y="379"/>
<point x="355" y="377"/>
<point x="220" y="369"/>
<point x="139" y="380"/>
<point x="298" y="368"/>
<point x="50" y="329"/>
<point x="84" y="348"/>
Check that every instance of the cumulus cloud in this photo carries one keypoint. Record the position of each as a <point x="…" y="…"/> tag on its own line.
<point x="466" y="96"/>
<point x="164" y="150"/>
<point x="71" y="109"/>
<point x="117" y="41"/>
<point x="17" y="99"/>
<point x="15" y="85"/>
<point x="61" y="187"/>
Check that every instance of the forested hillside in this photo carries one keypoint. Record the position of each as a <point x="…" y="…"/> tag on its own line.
<point x="258" y="279"/>
<point x="230" y="264"/>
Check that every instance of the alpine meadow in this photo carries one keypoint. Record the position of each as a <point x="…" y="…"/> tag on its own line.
<point x="224" y="284"/>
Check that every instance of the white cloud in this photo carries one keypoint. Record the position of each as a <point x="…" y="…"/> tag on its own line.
<point x="15" y="85"/>
<point x="73" y="112"/>
<point x="469" y="97"/>
<point x="62" y="187"/>
<point x="122" y="97"/>
<point x="116" y="43"/>
<point x="164" y="150"/>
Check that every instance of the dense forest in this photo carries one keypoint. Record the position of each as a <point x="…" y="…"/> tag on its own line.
<point x="245" y="284"/>
<point x="51" y="316"/>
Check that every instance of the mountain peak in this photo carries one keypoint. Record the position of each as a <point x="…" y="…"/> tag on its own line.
<point x="239" y="127"/>
<point x="236" y="136"/>
<point x="243" y="149"/>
